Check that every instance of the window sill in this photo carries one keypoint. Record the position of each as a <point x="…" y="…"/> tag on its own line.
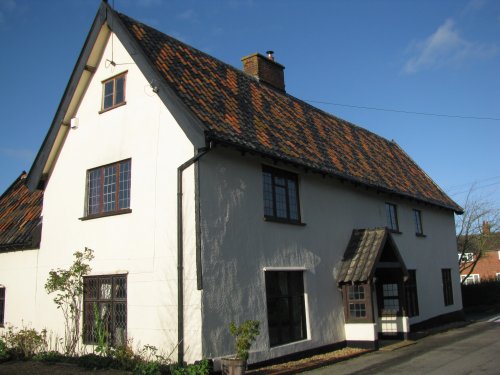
<point x="283" y="221"/>
<point x="106" y="214"/>
<point x="113" y="107"/>
<point x="289" y="344"/>
<point x="421" y="235"/>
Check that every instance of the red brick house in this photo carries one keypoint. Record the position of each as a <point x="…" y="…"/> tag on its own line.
<point x="488" y="265"/>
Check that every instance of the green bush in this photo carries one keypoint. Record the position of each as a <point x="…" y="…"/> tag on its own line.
<point x="25" y="343"/>
<point x="50" y="357"/>
<point x="4" y="351"/>
<point x="202" y="367"/>
<point x="244" y="334"/>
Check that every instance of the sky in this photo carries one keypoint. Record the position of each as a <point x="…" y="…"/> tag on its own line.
<point x="378" y="64"/>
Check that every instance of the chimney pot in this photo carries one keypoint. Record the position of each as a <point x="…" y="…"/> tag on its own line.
<point x="265" y="69"/>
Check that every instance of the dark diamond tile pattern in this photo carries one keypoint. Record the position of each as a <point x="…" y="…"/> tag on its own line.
<point x="237" y="109"/>
<point x="20" y="212"/>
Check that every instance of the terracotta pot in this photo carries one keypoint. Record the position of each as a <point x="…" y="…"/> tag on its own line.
<point x="233" y="366"/>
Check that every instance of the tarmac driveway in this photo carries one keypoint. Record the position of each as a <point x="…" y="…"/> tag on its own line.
<point x="474" y="349"/>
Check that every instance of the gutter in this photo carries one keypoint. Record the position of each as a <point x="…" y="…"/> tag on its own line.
<point x="180" y="254"/>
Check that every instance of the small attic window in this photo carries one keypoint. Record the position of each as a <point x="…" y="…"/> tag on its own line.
<point x="113" y="92"/>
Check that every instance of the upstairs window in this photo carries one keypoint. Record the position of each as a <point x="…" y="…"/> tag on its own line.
<point x="281" y="195"/>
<point x="108" y="189"/>
<point x="417" y="217"/>
<point x="392" y="217"/>
<point x="113" y="92"/>
<point x="2" y="306"/>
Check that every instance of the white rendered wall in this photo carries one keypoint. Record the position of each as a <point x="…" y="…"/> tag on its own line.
<point x="143" y="243"/>
<point x="361" y="332"/>
<point x="18" y="274"/>
<point x="237" y="244"/>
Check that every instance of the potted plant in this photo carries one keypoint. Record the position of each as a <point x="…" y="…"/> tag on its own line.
<point x="244" y="336"/>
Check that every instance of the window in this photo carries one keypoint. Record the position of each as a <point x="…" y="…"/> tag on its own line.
<point x="471" y="279"/>
<point x="417" y="216"/>
<point x="113" y="92"/>
<point x="357" y="302"/>
<point x="285" y="306"/>
<point x="2" y="306"/>
<point x="466" y="257"/>
<point x="281" y="195"/>
<point x="411" y="294"/>
<point x="497" y="276"/>
<point x="447" y="288"/>
<point x="392" y="217"/>
<point x="105" y="297"/>
<point x="108" y="189"/>
<point x="390" y="296"/>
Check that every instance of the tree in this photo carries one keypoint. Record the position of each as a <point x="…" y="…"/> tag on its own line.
<point x="475" y="230"/>
<point x="68" y="286"/>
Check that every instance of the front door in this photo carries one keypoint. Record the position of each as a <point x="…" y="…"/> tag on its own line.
<point x="390" y="303"/>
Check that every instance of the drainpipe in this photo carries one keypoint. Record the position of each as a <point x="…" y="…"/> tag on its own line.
<point x="180" y="255"/>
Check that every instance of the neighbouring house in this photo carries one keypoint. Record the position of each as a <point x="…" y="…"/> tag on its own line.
<point x="487" y="267"/>
<point x="20" y="230"/>
<point x="209" y="195"/>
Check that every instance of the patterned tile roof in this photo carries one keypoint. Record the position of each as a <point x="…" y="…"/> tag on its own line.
<point x="20" y="216"/>
<point x="363" y="253"/>
<point x="236" y="109"/>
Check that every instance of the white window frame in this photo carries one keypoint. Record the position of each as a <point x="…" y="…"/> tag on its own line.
<point x="473" y="278"/>
<point x="466" y="257"/>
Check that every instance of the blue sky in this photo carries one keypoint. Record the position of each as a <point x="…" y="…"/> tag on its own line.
<point x="440" y="57"/>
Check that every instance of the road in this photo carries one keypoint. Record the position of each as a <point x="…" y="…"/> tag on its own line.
<point x="474" y="349"/>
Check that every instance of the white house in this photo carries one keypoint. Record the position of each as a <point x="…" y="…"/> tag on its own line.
<point x="210" y="195"/>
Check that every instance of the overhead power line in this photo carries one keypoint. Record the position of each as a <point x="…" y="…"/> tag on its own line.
<point x="406" y="112"/>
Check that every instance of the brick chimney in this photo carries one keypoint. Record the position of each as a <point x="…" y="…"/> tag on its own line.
<point x="265" y="69"/>
<point x="486" y="228"/>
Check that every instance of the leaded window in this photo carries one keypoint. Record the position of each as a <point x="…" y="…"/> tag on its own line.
<point x="357" y="304"/>
<point x="447" y="286"/>
<point x="105" y="305"/>
<point x="108" y="188"/>
<point x="281" y="195"/>
<point x="113" y="92"/>
<point x="285" y="306"/>
<point x="392" y="217"/>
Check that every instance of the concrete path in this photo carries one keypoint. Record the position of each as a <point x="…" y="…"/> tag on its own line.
<point x="474" y="349"/>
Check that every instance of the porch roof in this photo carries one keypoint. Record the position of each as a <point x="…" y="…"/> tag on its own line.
<point x="363" y="253"/>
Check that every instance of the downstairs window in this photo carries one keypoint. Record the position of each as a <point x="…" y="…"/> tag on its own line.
<point x="105" y="305"/>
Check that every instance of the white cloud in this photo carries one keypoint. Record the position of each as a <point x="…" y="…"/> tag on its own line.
<point x="444" y="48"/>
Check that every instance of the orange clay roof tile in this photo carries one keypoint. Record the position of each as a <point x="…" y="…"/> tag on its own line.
<point x="236" y="109"/>
<point x="20" y="216"/>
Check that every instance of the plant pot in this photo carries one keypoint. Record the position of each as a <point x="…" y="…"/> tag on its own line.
<point x="233" y="366"/>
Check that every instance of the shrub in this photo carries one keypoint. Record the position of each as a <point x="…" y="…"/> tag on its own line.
<point x="25" y="343"/>
<point x="245" y="335"/>
<point x="202" y="367"/>
<point x="4" y="351"/>
<point x="51" y="356"/>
